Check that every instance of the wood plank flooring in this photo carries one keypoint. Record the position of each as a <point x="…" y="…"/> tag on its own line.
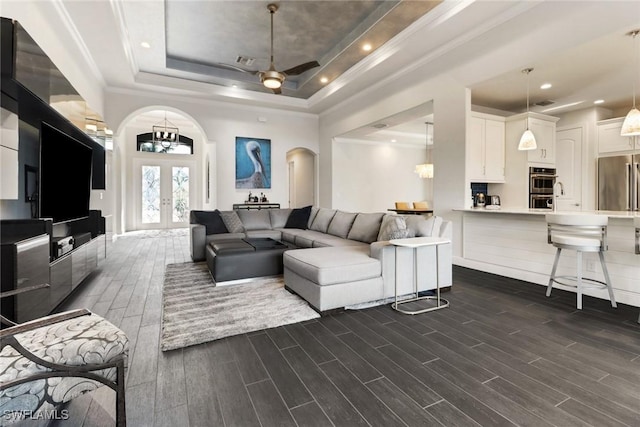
<point x="502" y="355"/>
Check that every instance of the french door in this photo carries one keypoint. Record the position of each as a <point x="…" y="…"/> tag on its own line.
<point x="164" y="193"/>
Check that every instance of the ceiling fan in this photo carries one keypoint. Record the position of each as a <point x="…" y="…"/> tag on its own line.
<point x="272" y="78"/>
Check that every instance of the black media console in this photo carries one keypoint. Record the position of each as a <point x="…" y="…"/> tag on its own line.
<point x="37" y="251"/>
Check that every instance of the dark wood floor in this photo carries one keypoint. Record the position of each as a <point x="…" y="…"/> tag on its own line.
<point x="502" y="354"/>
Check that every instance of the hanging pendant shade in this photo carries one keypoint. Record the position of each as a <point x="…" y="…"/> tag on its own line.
<point x="631" y="124"/>
<point x="527" y="140"/>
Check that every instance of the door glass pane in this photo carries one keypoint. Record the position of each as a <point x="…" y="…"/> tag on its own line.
<point x="180" y="199"/>
<point x="150" y="194"/>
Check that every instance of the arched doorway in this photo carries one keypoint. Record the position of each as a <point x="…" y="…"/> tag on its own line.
<point x="158" y="186"/>
<point x="301" y="163"/>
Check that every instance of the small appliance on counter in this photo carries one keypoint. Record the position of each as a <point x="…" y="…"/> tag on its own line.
<point x="479" y="201"/>
<point x="493" y="202"/>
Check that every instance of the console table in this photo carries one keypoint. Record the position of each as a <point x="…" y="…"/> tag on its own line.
<point x="415" y="243"/>
<point x="258" y="206"/>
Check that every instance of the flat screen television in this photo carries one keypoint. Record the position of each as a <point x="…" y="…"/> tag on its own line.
<point x="65" y="175"/>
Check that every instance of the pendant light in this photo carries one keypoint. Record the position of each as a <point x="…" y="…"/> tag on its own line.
<point x="527" y="140"/>
<point x="631" y="124"/>
<point x="425" y="170"/>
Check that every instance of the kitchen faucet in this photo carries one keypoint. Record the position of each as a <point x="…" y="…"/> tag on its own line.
<point x="555" y="195"/>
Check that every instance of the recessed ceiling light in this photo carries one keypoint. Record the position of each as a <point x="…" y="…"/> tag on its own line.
<point x="324" y="80"/>
<point x="599" y="101"/>
<point x="394" y="140"/>
<point x="545" y="86"/>
<point x="145" y="45"/>
<point x="366" y="47"/>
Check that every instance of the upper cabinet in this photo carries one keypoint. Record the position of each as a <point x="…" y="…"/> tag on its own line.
<point x="610" y="140"/>
<point x="485" y="148"/>
<point x="544" y="130"/>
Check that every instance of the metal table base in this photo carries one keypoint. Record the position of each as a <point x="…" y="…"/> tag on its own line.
<point x="441" y="302"/>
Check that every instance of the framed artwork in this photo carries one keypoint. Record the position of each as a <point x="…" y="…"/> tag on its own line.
<point x="253" y="162"/>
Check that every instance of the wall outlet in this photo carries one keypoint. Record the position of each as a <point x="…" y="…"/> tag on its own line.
<point x="591" y="265"/>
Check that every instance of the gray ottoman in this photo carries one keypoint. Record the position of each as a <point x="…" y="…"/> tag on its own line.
<point x="236" y="259"/>
<point x="333" y="277"/>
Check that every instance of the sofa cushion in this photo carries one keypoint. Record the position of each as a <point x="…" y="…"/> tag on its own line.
<point x="224" y="236"/>
<point x="420" y="226"/>
<point x="279" y="217"/>
<point x="299" y="218"/>
<point x="393" y="227"/>
<point x="312" y="216"/>
<point x="232" y="221"/>
<point x="305" y="238"/>
<point x="341" y="224"/>
<point x="255" y="219"/>
<point x="211" y="220"/>
<point x="335" y="241"/>
<point x="366" y="227"/>
<point x="322" y="220"/>
<point x="329" y="266"/>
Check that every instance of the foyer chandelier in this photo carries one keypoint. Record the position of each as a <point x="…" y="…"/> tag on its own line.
<point x="165" y="133"/>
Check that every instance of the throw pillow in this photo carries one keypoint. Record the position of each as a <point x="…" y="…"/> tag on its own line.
<point x="232" y="221"/>
<point x="420" y="226"/>
<point x="393" y="227"/>
<point x="299" y="218"/>
<point x="211" y="220"/>
<point x="366" y="227"/>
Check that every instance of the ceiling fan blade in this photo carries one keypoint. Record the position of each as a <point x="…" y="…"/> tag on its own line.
<point x="299" y="69"/>
<point x="277" y="91"/>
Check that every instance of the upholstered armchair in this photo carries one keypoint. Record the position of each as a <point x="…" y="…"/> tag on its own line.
<point x="49" y="361"/>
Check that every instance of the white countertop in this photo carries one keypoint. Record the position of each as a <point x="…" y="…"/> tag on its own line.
<point x="610" y="214"/>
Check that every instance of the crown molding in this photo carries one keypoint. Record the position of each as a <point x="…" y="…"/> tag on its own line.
<point x="213" y="103"/>
<point x="123" y="31"/>
<point x="440" y="14"/>
<point x="75" y="35"/>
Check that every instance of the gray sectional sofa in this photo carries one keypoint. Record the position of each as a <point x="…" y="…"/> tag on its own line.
<point x="341" y="258"/>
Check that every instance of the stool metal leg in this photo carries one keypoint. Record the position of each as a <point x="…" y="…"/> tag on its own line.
<point x="608" y="281"/>
<point x="553" y="272"/>
<point x="579" y="277"/>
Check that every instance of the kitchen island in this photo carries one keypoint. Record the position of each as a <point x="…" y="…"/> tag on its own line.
<point x="513" y="243"/>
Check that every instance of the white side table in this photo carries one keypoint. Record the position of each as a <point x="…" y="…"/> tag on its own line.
<point x="415" y="243"/>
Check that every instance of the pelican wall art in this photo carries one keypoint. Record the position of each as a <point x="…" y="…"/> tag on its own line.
<point x="253" y="162"/>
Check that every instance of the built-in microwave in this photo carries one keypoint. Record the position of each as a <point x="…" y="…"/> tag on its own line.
<point x="541" y="201"/>
<point x="541" y="180"/>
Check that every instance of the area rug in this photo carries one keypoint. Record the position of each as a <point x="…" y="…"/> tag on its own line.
<point x="195" y="311"/>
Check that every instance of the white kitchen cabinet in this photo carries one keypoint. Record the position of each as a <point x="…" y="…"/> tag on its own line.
<point x="545" y="133"/>
<point x="485" y="148"/>
<point x="610" y="140"/>
<point x="544" y="130"/>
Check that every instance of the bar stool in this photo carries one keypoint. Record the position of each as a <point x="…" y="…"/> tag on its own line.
<point x="581" y="233"/>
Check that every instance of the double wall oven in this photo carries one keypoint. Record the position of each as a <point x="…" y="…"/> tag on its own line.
<point x="541" y="181"/>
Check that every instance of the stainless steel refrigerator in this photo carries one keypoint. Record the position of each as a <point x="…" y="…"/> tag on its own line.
<point x="619" y="183"/>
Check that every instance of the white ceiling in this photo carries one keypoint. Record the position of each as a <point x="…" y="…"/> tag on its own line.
<point x="579" y="47"/>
